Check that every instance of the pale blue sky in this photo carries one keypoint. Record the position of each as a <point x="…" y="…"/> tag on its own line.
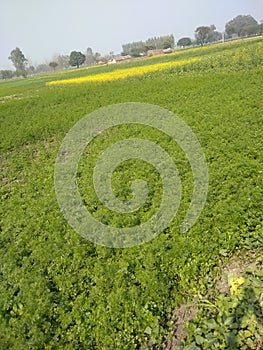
<point x="42" y="28"/>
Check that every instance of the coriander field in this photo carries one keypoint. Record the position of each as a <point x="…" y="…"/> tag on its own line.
<point x="59" y="290"/>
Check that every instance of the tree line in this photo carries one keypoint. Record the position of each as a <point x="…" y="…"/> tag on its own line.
<point x="240" y="26"/>
<point x="75" y="59"/>
<point x="156" y="43"/>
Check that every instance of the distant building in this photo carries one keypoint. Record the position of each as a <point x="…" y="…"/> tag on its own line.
<point x="119" y="59"/>
<point x="154" y="53"/>
<point x="169" y="50"/>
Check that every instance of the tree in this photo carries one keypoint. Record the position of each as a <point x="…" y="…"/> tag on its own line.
<point x="155" y="43"/>
<point x="62" y="60"/>
<point x="76" y="58"/>
<point x="133" y="48"/>
<point x="214" y="36"/>
<point x="201" y="34"/>
<point x="239" y="25"/>
<point x="90" y="59"/>
<point x="6" y="74"/>
<point x="97" y="57"/>
<point x="184" y="42"/>
<point x="30" y="70"/>
<point x="53" y="65"/>
<point x="207" y="34"/>
<point x="136" y="51"/>
<point x="168" y="42"/>
<point x="251" y="30"/>
<point x="42" y="68"/>
<point x="149" y="47"/>
<point x="19" y="61"/>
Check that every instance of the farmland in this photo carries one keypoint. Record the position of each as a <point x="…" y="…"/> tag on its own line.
<point x="61" y="291"/>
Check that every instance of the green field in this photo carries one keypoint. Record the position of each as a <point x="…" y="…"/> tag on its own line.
<point x="60" y="291"/>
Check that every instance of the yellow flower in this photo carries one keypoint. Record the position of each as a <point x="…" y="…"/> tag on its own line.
<point x="123" y="73"/>
<point x="235" y="283"/>
<point x="220" y="58"/>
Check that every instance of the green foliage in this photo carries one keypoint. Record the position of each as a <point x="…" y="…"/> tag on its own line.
<point x="134" y="48"/>
<point x="63" y="61"/>
<point x="161" y="42"/>
<point x="226" y="61"/>
<point x="6" y="74"/>
<point x="233" y="321"/>
<point x="58" y="290"/>
<point x="53" y="65"/>
<point x="19" y="61"/>
<point x="206" y="34"/>
<point x="242" y="25"/>
<point x="184" y="42"/>
<point x="90" y="57"/>
<point x="76" y="58"/>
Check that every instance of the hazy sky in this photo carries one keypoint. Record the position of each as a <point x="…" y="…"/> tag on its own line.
<point x="42" y="28"/>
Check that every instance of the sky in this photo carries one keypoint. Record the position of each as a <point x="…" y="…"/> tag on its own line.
<point x="43" y="28"/>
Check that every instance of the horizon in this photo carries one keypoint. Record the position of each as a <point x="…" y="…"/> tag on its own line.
<point x="44" y="29"/>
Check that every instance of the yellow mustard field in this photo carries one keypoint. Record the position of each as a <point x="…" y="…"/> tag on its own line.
<point x="124" y="73"/>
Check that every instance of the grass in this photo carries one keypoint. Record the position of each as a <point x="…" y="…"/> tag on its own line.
<point x="60" y="291"/>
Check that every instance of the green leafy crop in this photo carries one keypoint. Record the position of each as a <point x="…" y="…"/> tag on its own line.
<point x="60" y="291"/>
